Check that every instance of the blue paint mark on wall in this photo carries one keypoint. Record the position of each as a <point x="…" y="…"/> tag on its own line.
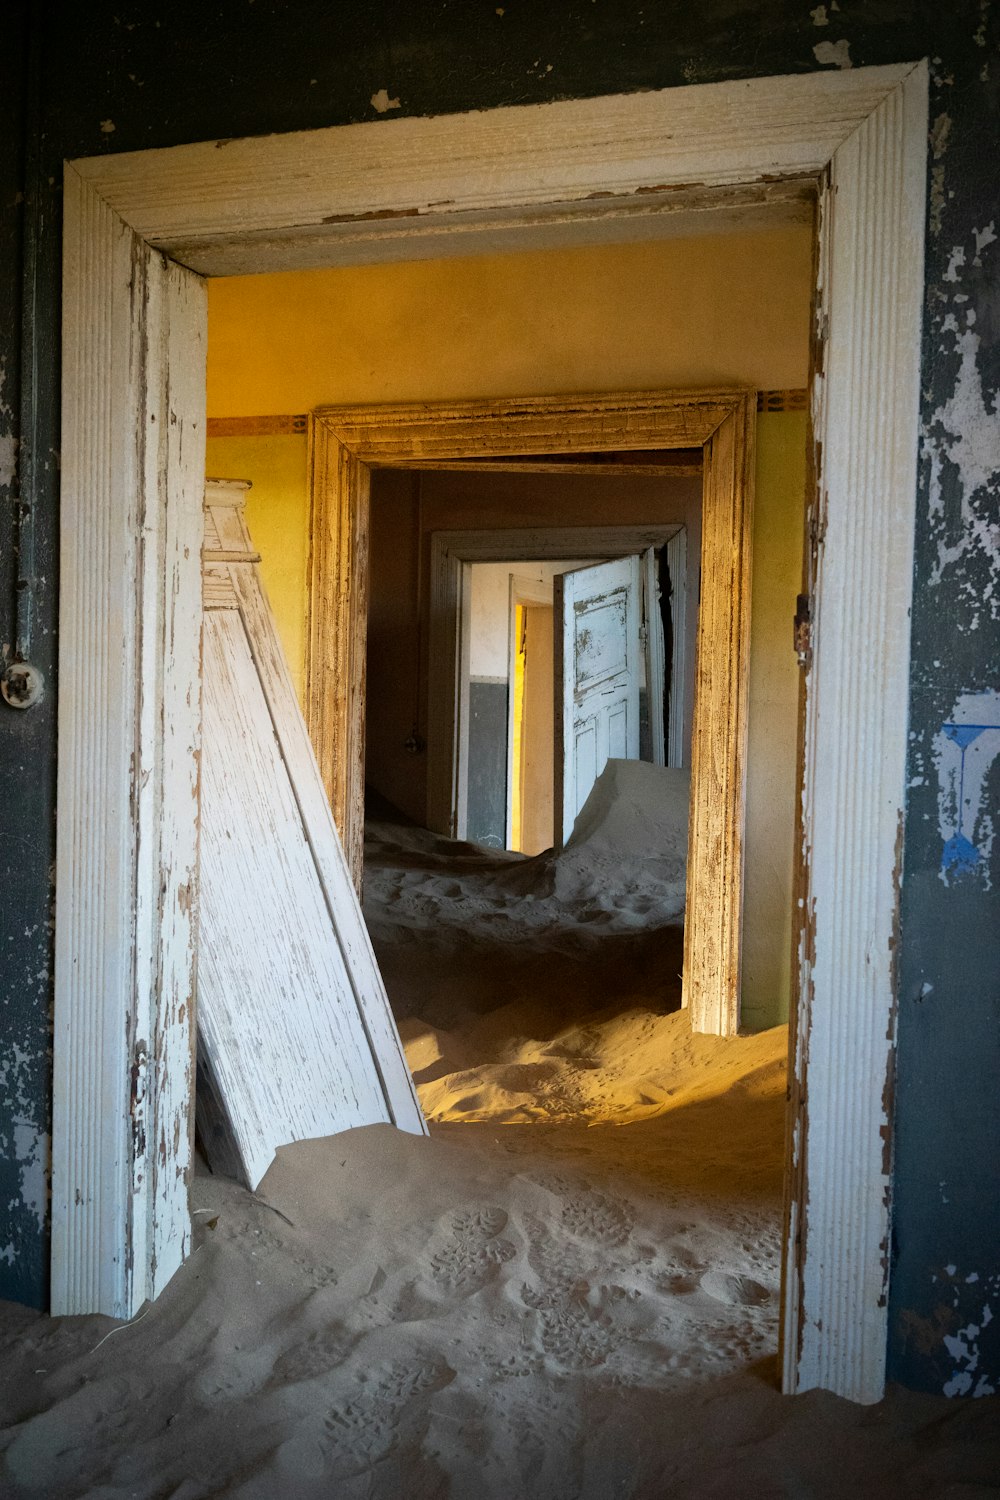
<point x="965" y="749"/>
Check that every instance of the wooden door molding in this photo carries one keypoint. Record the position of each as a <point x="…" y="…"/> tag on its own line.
<point x="571" y="172"/>
<point x="133" y="433"/>
<point x="348" y="441"/>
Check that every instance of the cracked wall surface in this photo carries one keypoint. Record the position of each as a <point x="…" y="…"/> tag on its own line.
<point x="81" y="80"/>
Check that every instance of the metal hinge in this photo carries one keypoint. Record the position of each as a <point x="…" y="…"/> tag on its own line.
<point x="803" y="630"/>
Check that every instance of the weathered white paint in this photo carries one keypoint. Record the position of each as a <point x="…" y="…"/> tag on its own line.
<point x="599" y="666"/>
<point x="240" y="206"/>
<point x="459" y="184"/>
<point x="133" y="459"/>
<point x="963" y="435"/>
<point x="293" y="1017"/>
<point x="866" y="396"/>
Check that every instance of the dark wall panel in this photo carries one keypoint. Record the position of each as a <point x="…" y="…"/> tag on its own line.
<point x="487" y="815"/>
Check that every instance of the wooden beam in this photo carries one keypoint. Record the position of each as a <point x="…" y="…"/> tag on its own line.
<point x="276" y="426"/>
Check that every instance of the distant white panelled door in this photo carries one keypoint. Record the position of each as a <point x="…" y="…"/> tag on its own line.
<point x="599" y="666"/>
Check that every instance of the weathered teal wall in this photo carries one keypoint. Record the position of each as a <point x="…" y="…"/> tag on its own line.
<point x="87" y="78"/>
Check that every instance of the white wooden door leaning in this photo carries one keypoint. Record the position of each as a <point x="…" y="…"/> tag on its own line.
<point x="599" y="668"/>
<point x="295" y="1035"/>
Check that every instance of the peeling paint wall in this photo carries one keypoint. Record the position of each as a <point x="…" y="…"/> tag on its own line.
<point x="946" y="1237"/>
<point x="136" y="73"/>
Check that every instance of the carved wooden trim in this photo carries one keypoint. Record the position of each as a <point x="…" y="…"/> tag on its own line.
<point x="273" y="426"/>
<point x="712" y="942"/>
<point x="337" y="631"/>
<point x="348" y="441"/>
<point x="865" y="418"/>
<point x="129" y="725"/>
<point x="614" y="167"/>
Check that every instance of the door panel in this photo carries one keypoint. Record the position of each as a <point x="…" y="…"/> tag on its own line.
<point x="599" y="669"/>
<point x="296" y="1038"/>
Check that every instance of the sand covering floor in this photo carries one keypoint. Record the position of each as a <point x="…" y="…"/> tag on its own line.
<point x="568" y="1292"/>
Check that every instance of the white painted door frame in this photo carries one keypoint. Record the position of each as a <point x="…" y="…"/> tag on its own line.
<point x="452" y="556"/>
<point x="133" y="425"/>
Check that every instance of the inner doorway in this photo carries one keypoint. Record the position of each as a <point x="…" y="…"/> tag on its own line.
<point x="516" y="733"/>
<point x="348" y="444"/>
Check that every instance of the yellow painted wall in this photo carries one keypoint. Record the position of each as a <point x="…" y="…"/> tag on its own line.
<point x="674" y="314"/>
<point x="684" y="312"/>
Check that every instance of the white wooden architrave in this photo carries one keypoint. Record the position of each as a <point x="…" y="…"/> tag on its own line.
<point x="133" y="460"/>
<point x="453" y="554"/>
<point x="127" y="824"/>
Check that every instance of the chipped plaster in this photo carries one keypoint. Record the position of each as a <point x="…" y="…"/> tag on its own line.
<point x="380" y="101"/>
<point x="961" y="441"/>
<point x="963" y="1346"/>
<point x="834" y="54"/>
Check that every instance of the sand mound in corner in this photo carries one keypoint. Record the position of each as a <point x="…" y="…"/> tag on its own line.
<point x="627" y="855"/>
<point x="517" y="1066"/>
<point x="631" y="833"/>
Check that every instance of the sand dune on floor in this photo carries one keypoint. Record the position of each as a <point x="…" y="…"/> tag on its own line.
<point x="614" y="1067"/>
<point x="568" y="1291"/>
<point x="551" y="1312"/>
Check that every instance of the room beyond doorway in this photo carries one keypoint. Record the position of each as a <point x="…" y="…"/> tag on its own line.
<point x="519" y="708"/>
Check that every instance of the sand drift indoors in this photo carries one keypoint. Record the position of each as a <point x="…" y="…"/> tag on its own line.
<point x="569" y="1292"/>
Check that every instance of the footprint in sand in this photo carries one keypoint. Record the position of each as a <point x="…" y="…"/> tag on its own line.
<point x="734" y="1291"/>
<point x="321" y="1352"/>
<point x="553" y="1183"/>
<point x="596" y="1217"/>
<point x="677" y="1283"/>
<point x="556" y="1262"/>
<point x="359" y="1432"/>
<point x="574" y="1332"/>
<point x="474" y="1253"/>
